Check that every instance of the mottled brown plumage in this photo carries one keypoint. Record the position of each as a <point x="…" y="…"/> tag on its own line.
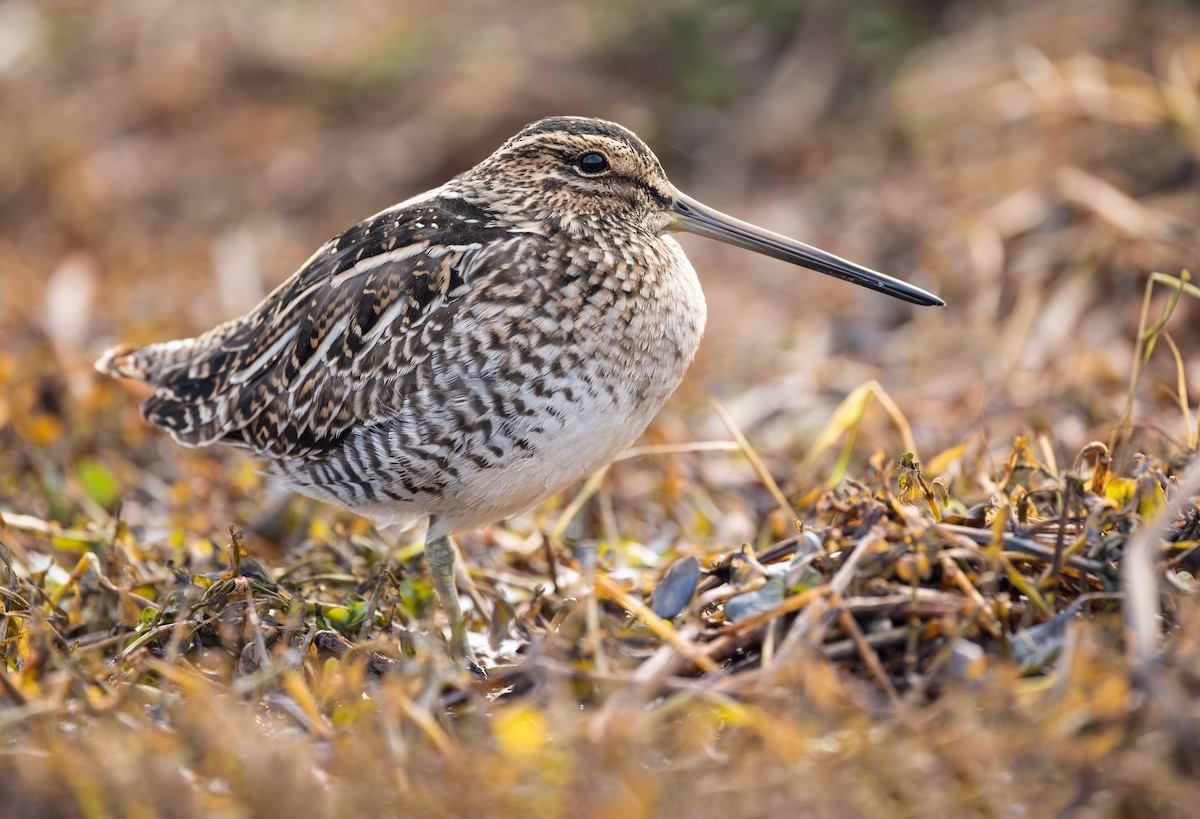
<point x="466" y="353"/>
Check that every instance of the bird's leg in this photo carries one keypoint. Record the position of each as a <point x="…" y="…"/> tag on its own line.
<point x="440" y="555"/>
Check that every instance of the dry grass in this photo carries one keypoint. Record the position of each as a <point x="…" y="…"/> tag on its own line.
<point x="946" y="559"/>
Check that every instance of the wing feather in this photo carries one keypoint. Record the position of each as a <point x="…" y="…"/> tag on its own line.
<point x="334" y="347"/>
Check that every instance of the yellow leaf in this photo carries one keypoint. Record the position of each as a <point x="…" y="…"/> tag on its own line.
<point x="845" y="418"/>
<point x="1120" y="490"/>
<point x="302" y="695"/>
<point x="520" y="732"/>
<point x="1150" y="497"/>
<point x="941" y="462"/>
<point x="45" y="430"/>
<point x="728" y="711"/>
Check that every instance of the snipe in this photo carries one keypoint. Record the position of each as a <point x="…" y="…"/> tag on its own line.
<point x="468" y="352"/>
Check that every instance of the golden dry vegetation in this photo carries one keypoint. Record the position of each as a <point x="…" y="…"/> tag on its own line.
<point x="922" y="562"/>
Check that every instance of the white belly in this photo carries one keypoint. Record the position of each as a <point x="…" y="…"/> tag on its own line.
<point x="587" y="440"/>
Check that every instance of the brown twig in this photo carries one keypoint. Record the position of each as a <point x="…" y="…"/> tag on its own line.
<point x="799" y="633"/>
<point x="656" y="624"/>
<point x="869" y="657"/>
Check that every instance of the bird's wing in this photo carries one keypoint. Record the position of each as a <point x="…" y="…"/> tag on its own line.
<point x="335" y="347"/>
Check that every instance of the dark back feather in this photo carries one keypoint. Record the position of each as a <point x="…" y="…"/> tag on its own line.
<point x="326" y="351"/>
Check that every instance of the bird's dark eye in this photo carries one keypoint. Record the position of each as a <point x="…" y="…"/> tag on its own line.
<point x="592" y="163"/>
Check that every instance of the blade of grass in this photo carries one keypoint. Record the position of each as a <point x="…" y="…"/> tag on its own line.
<point x="1140" y="570"/>
<point x="1191" y="432"/>
<point x="756" y="462"/>
<point x="847" y="418"/>
<point x="677" y="449"/>
<point x="581" y="497"/>
<point x="1119" y="444"/>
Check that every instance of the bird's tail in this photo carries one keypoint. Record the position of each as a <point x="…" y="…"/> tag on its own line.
<point x="150" y="363"/>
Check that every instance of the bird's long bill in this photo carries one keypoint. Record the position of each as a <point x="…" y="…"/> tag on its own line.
<point x="695" y="217"/>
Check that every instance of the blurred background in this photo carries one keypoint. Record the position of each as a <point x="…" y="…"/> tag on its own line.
<point x="163" y="165"/>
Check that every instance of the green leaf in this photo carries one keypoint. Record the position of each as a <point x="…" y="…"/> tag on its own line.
<point x="99" y="482"/>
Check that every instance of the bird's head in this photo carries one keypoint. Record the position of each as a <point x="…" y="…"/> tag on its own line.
<point x="583" y="175"/>
<point x="577" y="174"/>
